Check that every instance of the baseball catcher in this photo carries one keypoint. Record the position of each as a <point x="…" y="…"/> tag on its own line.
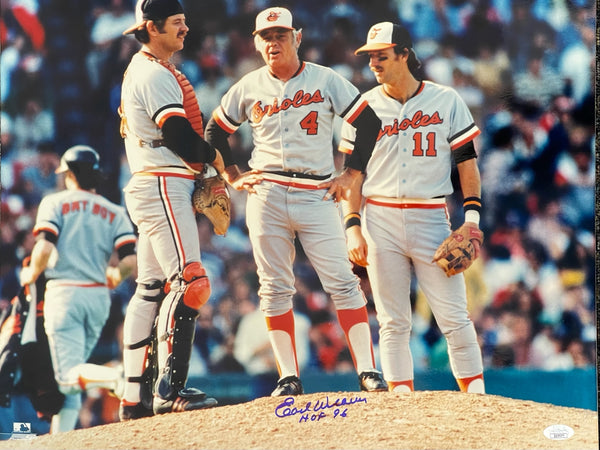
<point x="211" y="198"/>
<point x="460" y="249"/>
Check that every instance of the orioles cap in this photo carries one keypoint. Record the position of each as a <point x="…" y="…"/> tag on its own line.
<point x="273" y="18"/>
<point x="384" y="35"/>
<point x="146" y="10"/>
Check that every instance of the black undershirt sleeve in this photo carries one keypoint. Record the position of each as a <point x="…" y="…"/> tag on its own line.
<point x="367" y="126"/>
<point x="217" y="137"/>
<point x="464" y="152"/>
<point x="126" y="250"/>
<point x="46" y="235"/>
<point x="181" y="138"/>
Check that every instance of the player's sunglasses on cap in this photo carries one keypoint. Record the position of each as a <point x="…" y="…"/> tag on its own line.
<point x="273" y="18"/>
<point x="384" y="35"/>
<point x="153" y="10"/>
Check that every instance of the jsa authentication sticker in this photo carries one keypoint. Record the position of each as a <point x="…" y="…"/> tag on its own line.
<point x="558" y="432"/>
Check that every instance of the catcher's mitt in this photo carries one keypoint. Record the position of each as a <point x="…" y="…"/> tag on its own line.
<point x="457" y="252"/>
<point x="211" y="198"/>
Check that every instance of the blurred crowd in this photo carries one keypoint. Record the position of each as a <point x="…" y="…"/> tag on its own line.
<point x="526" y="69"/>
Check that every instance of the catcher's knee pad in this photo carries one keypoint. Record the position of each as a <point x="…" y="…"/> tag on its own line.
<point x="197" y="285"/>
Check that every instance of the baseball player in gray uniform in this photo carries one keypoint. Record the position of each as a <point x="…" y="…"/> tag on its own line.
<point x="162" y="127"/>
<point x="290" y="106"/>
<point x="77" y="232"/>
<point x="425" y="127"/>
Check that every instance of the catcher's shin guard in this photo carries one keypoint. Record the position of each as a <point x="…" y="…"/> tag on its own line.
<point x="174" y="374"/>
<point x="140" y="358"/>
<point x="150" y="373"/>
<point x="192" y="292"/>
<point x="171" y="395"/>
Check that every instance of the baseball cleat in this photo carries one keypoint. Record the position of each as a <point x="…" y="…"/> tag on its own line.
<point x="372" y="381"/>
<point x="133" y="411"/>
<point x="288" y="386"/>
<point x="188" y="399"/>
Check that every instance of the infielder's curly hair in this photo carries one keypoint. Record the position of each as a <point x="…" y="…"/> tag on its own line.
<point x="413" y="63"/>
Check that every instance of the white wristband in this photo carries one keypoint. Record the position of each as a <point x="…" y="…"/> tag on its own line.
<point x="472" y="216"/>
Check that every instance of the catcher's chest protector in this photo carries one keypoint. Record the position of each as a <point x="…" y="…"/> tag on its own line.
<point x="190" y="102"/>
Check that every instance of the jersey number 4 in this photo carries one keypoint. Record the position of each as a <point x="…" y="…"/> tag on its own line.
<point x="310" y="123"/>
<point x="418" y="150"/>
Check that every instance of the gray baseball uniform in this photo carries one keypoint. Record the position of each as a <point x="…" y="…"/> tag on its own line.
<point x="158" y="198"/>
<point x="292" y="128"/>
<point x="405" y="219"/>
<point x="86" y="229"/>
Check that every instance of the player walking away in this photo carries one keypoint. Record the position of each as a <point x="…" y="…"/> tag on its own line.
<point x="291" y="105"/>
<point x="425" y="127"/>
<point x="77" y="231"/>
<point x="161" y="124"/>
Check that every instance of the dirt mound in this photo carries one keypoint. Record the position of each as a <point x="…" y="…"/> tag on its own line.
<point x="347" y="420"/>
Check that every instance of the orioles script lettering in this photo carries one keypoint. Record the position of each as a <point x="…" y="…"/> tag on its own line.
<point x="299" y="99"/>
<point x="419" y="119"/>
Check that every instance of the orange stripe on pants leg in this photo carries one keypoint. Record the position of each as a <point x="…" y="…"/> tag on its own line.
<point x="285" y="323"/>
<point x="350" y="317"/>
<point x="463" y="383"/>
<point x="394" y="384"/>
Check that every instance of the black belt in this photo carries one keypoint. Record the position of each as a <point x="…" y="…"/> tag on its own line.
<point x="152" y="144"/>
<point x="156" y="143"/>
<point x="291" y="174"/>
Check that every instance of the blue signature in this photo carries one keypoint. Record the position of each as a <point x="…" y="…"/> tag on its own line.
<point x="287" y="408"/>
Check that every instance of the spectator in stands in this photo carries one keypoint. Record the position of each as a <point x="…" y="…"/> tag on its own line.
<point x="516" y="330"/>
<point x="576" y="178"/>
<point x="9" y="63"/>
<point x="39" y="178"/>
<point x="524" y="32"/>
<point x="528" y="238"/>
<point x="577" y="60"/>
<point x="423" y="18"/>
<point x="492" y="71"/>
<point x="547" y="225"/>
<point x="557" y="120"/>
<point x="538" y="82"/>
<point x="226" y="316"/>
<point x="7" y="168"/>
<point x="224" y="360"/>
<point x="542" y="277"/>
<point x="208" y="339"/>
<point x="214" y="82"/>
<point x="253" y="349"/>
<point x="108" y="25"/>
<point x="506" y="181"/>
<point x="33" y="125"/>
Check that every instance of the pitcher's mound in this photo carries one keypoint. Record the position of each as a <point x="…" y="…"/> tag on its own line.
<point x="347" y="420"/>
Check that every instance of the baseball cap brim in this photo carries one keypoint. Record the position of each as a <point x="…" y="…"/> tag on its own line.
<point x="268" y="28"/>
<point x="373" y="48"/>
<point x="134" y="28"/>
